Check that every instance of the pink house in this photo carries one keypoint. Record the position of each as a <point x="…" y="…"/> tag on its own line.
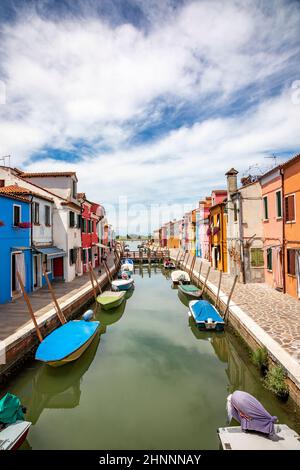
<point x="271" y="184"/>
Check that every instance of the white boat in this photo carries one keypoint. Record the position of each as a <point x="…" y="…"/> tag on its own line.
<point x="169" y="265"/>
<point x="127" y="265"/>
<point x="180" y="276"/>
<point x="13" y="435"/>
<point x="122" y="284"/>
<point x="233" y="438"/>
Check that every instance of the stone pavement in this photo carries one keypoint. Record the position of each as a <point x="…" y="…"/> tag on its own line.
<point x="276" y="313"/>
<point x="15" y="315"/>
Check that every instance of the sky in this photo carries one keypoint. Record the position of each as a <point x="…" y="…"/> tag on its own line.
<point x="149" y="101"/>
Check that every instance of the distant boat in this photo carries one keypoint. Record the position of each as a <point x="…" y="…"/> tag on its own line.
<point x="13" y="435"/>
<point x="122" y="284"/>
<point x="206" y="316"/>
<point x="191" y="291"/>
<point x="127" y="265"/>
<point x="169" y="265"/>
<point x="67" y="343"/>
<point x="180" y="276"/>
<point x="109" y="299"/>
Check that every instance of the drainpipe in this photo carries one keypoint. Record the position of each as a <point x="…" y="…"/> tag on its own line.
<point x="241" y="230"/>
<point x="283" y="231"/>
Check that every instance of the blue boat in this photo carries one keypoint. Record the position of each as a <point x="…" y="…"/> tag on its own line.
<point x="67" y="343"/>
<point x="206" y="316"/>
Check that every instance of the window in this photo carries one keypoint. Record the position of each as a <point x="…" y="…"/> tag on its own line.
<point x="290" y="208"/>
<point x="257" y="258"/>
<point x="269" y="259"/>
<point x="2" y="183"/>
<point x="83" y="225"/>
<point x="278" y="204"/>
<point x="72" y="256"/>
<point x="85" y="256"/>
<point x="235" y="212"/>
<point x="74" y="189"/>
<point x="72" y="219"/>
<point x="79" y="220"/>
<point x="36" y="213"/>
<point x="47" y="215"/>
<point x="291" y="262"/>
<point x="17" y="215"/>
<point x="90" y="254"/>
<point x="89" y="226"/>
<point x="266" y="212"/>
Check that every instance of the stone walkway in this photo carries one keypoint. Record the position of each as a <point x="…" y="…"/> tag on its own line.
<point x="15" y="315"/>
<point x="278" y="314"/>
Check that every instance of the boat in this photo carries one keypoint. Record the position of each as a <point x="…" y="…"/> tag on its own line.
<point x="180" y="276"/>
<point x="13" y="435"/>
<point x="122" y="284"/>
<point x="206" y="316"/>
<point x="109" y="299"/>
<point x="13" y="427"/>
<point x="67" y="343"/>
<point x="190" y="291"/>
<point x="127" y="265"/>
<point x="169" y="264"/>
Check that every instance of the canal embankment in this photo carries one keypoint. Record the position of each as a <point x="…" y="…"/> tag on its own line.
<point x="263" y="317"/>
<point x="18" y="338"/>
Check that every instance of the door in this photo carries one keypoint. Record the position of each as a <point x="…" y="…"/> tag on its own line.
<point x="35" y="272"/>
<point x="17" y="264"/>
<point x="58" y="268"/>
<point x="13" y="274"/>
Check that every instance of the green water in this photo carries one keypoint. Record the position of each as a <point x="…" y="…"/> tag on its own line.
<point x="149" y="381"/>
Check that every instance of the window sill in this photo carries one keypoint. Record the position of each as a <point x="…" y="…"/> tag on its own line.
<point x="270" y="270"/>
<point x="293" y="276"/>
<point x="279" y="218"/>
<point x="290" y="222"/>
<point x="265" y="220"/>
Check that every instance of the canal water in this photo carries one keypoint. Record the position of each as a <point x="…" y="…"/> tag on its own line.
<point x="150" y="380"/>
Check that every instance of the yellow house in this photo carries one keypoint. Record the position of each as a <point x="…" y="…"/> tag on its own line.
<point x="218" y="236"/>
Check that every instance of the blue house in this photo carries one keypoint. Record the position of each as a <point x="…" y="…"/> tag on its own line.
<point x="15" y="245"/>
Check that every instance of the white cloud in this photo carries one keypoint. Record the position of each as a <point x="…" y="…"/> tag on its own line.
<point x="83" y="79"/>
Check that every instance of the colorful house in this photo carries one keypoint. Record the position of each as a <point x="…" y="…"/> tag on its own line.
<point x="202" y="225"/>
<point x="15" y="245"/>
<point x="89" y="232"/>
<point x="245" y="236"/>
<point x="290" y="172"/>
<point x="272" y="222"/>
<point x="218" y="230"/>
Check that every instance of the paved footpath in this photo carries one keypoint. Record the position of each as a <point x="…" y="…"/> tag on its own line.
<point x="276" y="313"/>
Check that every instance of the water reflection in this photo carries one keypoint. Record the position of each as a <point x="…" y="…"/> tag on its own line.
<point x="111" y="316"/>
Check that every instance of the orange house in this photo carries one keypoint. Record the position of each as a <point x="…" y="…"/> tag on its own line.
<point x="291" y="227"/>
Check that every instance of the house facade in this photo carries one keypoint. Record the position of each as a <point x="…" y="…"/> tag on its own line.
<point x="272" y="222"/>
<point x="89" y="232"/>
<point x="202" y="225"/>
<point x="218" y="230"/>
<point x="290" y="172"/>
<point x="245" y="237"/>
<point x="15" y="245"/>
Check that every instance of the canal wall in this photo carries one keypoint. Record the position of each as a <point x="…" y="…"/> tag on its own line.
<point x="253" y="335"/>
<point x="21" y="346"/>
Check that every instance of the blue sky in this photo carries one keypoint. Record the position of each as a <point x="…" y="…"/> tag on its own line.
<point x="149" y="100"/>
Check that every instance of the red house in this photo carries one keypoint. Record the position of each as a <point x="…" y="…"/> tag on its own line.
<point x="90" y="216"/>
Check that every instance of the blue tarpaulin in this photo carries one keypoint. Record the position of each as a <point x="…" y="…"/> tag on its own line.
<point x="203" y="310"/>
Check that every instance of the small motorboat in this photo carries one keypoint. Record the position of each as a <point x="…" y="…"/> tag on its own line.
<point x="122" y="284"/>
<point x="191" y="291"/>
<point x="206" y="316"/>
<point x="127" y="265"/>
<point x="180" y="276"/>
<point x="13" y="427"/>
<point x="109" y="299"/>
<point x="168" y="264"/>
<point x="67" y="343"/>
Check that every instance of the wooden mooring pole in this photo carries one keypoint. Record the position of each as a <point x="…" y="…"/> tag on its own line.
<point x="92" y="281"/>
<point x="60" y="315"/>
<point x="95" y="279"/>
<point x="230" y="295"/>
<point x="205" y="282"/>
<point x="192" y="266"/>
<point x="30" y="309"/>
<point x="219" y="286"/>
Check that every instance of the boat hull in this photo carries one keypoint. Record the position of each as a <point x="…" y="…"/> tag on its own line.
<point x="13" y="435"/>
<point x="190" y="294"/>
<point x="123" y="285"/>
<point x="75" y="355"/>
<point x="180" y="277"/>
<point x="111" y="305"/>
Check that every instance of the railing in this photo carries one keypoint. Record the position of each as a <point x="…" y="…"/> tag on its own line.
<point x="140" y="255"/>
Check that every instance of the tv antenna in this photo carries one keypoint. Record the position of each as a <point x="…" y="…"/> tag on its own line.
<point x="274" y="158"/>
<point x="4" y="159"/>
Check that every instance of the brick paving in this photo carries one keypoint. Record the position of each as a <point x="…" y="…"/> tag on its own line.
<point x="14" y="315"/>
<point x="278" y="314"/>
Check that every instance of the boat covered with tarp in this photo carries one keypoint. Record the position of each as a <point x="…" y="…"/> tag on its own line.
<point x="180" y="276"/>
<point x="206" y="316"/>
<point x="250" y="413"/>
<point x="13" y="427"/>
<point x="190" y="290"/>
<point x="110" y="299"/>
<point x="67" y="343"/>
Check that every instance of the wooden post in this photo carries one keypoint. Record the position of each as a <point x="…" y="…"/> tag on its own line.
<point x="204" y="285"/>
<point x="107" y="272"/>
<point x="230" y="295"/>
<point x="176" y="261"/>
<point x="60" y="315"/>
<point x="92" y="281"/>
<point x="26" y="297"/>
<point x="192" y="266"/>
<point x="95" y="279"/>
<point x="219" y="286"/>
<point x="187" y="260"/>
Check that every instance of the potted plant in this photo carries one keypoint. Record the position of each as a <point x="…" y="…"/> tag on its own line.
<point x="2" y="223"/>
<point x="24" y="225"/>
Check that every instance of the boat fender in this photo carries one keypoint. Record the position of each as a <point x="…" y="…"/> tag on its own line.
<point x="88" y="315"/>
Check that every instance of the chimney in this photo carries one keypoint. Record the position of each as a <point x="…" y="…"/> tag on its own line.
<point x="231" y="181"/>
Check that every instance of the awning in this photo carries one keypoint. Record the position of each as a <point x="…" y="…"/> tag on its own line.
<point x="51" y="251"/>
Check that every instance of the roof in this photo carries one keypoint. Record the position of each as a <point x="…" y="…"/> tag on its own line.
<point x="45" y="174"/>
<point x="17" y="198"/>
<point x="15" y="189"/>
<point x="72" y="205"/>
<point x="291" y="161"/>
<point x="219" y="191"/>
<point x="232" y="171"/>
